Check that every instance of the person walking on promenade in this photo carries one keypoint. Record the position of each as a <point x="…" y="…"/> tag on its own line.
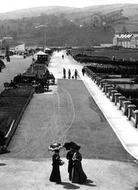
<point x="64" y="73"/>
<point x="56" y="163"/>
<point x="78" y="175"/>
<point x="69" y="147"/>
<point x="83" y="71"/>
<point x="76" y="73"/>
<point x="55" y="174"/>
<point x="69" y="74"/>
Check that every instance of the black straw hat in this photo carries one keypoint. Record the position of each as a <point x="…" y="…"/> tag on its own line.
<point x="69" y="145"/>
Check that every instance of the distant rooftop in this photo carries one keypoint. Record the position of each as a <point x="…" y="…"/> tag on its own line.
<point x="120" y="36"/>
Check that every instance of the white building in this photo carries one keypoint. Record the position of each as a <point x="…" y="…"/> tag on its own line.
<point x="20" y="48"/>
<point x="126" y="40"/>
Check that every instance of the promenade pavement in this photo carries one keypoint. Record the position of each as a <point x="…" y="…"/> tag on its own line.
<point x="33" y="174"/>
<point x="124" y="129"/>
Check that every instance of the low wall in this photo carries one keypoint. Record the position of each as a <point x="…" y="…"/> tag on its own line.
<point x="120" y="101"/>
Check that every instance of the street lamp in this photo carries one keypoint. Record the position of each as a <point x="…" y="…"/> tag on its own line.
<point x="43" y="26"/>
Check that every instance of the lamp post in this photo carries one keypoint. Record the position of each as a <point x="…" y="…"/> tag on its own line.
<point x="43" y="26"/>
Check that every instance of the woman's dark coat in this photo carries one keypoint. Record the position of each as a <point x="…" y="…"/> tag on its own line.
<point x="55" y="174"/>
<point x="78" y="175"/>
<point x="70" y="163"/>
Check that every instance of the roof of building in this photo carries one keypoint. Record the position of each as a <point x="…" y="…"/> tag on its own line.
<point x="123" y="35"/>
<point x="41" y="53"/>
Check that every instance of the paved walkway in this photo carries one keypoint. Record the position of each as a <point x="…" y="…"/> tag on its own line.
<point x="26" y="174"/>
<point x="127" y="134"/>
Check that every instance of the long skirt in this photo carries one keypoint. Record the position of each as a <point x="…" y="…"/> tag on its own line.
<point x="55" y="174"/>
<point x="78" y="175"/>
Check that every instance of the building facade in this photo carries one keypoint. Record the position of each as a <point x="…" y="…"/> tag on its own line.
<point x="126" y="40"/>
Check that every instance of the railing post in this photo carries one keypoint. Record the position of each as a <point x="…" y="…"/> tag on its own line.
<point x="121" y="98"/>
<point x="103" y="87"/>
<point x="136" y="118"/>
<point x="117" y="95"/>
<point x="113" y="95"/>
<point x="95" y="78"/>
<point x="101" y="84"/>
<point x="98" y="81"/>
<point x="106" y="87"/>
<point x="109" y="91"/>
<point x="126" y="103"/>
<point x="130" y="108"/>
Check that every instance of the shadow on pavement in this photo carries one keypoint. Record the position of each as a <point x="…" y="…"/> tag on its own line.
<point x="2" y="164"/>
<point x="89" y="183"/>
<point x="67" y="185"/>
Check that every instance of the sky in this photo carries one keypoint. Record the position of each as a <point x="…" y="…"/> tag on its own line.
<point x="10" y="5"/>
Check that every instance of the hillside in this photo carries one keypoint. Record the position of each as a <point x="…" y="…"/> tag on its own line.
<point x="37" y="11"/>
<point x="69" y="26"/>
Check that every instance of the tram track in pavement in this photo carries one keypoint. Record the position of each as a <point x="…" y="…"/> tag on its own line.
<point x="71" y="114"/>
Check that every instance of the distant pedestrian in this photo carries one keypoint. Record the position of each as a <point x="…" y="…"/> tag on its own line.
<point x="83" y="71"/>
<point x="64" y="73"/>
<point x="69" y="74"/>
<point x="62" y="56"/>
<point x="33" y="59"/>
<point x="76" y="74"/>
<point x="24" y="56"/>
<point x="8" y="58"/>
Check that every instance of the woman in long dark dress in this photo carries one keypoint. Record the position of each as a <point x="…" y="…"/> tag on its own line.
<point x="69" y="146"/>
<point x="55" y="174"/>
<point x="70" y="162"/>
<point x="78" y="175"/>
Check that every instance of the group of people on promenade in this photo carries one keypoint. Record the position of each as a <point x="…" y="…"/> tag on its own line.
<point x="74" y="157"/>
<point x="70" y="76"/>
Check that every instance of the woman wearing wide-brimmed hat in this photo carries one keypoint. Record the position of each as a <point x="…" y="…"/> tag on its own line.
<point x="69" y="147"/>
<point x="78" y="175"/>
<point x="56" y="163"/>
